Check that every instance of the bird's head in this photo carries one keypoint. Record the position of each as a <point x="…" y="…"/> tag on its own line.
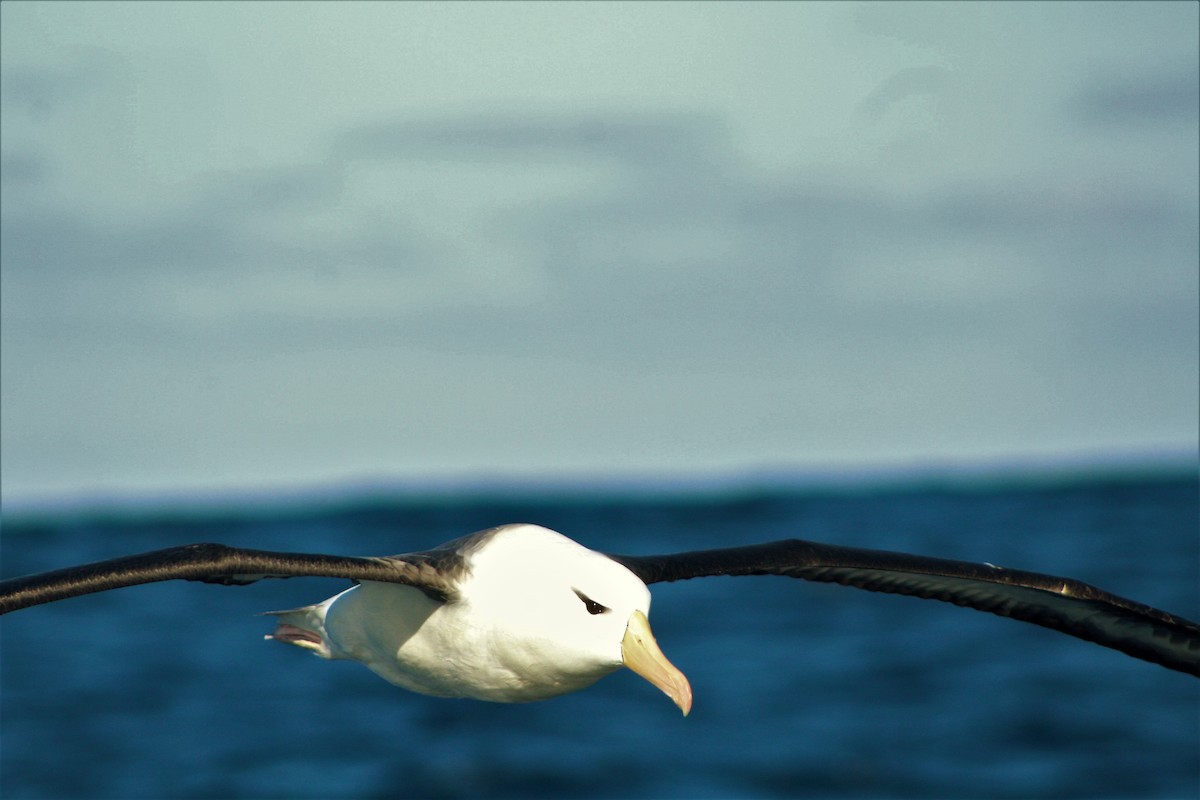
<point x="567" y="615"/>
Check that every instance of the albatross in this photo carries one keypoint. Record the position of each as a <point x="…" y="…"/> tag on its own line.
<point x="519" y="612"/>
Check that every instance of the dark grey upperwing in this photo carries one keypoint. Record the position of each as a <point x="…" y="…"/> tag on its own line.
<point x="1066" y="605"/>
<point x="217" y="563"/>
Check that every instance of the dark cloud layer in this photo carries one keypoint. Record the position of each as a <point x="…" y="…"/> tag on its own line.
<point x="772" y="256"/>
<point x="1142" y="100"/>
<point x="626" y="138"/>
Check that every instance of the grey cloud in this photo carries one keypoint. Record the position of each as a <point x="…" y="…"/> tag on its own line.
<point x="284" y="188"/>
<point x="218" y="231"/>
<point x="1021" y="208"/>
<point x="42" y="91"/>
<point x="803" y="263"/>
<point x="47" y="243"/>
<point x="22" y="167"/>
<point x="929" y="81"/>
<point x="632" y="138"/>
<point x="704" y="253"/>
<point x="1140" y="99"/>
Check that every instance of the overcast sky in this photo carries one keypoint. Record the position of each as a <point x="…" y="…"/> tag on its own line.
<point x="270" y="245"/>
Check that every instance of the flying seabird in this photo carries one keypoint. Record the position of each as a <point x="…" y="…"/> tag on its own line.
<point x="519" y="612"/>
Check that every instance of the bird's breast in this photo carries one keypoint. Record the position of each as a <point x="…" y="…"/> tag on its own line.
<point x="446" y="649"/>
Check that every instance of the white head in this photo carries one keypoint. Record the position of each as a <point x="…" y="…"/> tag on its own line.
<point x="563" y="615"/>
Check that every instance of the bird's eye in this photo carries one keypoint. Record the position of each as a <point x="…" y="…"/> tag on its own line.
<point x="591" y="605"/>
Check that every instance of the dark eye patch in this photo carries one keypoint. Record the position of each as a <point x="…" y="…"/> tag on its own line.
<point x="591" y="605"/>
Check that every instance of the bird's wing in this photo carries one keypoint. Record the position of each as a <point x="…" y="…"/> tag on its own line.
<point x="1063" y="604"/>
<point x="218" y="563"/>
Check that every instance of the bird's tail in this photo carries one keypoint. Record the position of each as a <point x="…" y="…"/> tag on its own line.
<point x="303" y="627"/>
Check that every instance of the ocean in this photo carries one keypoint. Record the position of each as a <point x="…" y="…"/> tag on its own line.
<point x="801" y="690"/>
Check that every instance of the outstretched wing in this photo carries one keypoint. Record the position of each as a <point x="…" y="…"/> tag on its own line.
<point x="1063" y="604"/>
<point x="218" y="563"/>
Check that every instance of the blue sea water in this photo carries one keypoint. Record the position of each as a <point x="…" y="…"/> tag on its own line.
<point x="801" y="690"/>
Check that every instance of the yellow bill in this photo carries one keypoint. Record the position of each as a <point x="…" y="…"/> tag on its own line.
<point x="641" y="654"/>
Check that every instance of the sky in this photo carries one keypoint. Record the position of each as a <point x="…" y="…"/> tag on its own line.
<point x="251" y="246"/>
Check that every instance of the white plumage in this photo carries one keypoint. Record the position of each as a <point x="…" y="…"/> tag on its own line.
<point x="535" y="615"/>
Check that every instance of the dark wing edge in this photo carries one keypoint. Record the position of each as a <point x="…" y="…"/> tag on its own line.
<point x="1062" y="604"/>
<point x="216" y="563"/>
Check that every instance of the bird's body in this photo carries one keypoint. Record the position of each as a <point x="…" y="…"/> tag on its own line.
<point x="520" y="613"/>
<point x="516" y="629"/>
